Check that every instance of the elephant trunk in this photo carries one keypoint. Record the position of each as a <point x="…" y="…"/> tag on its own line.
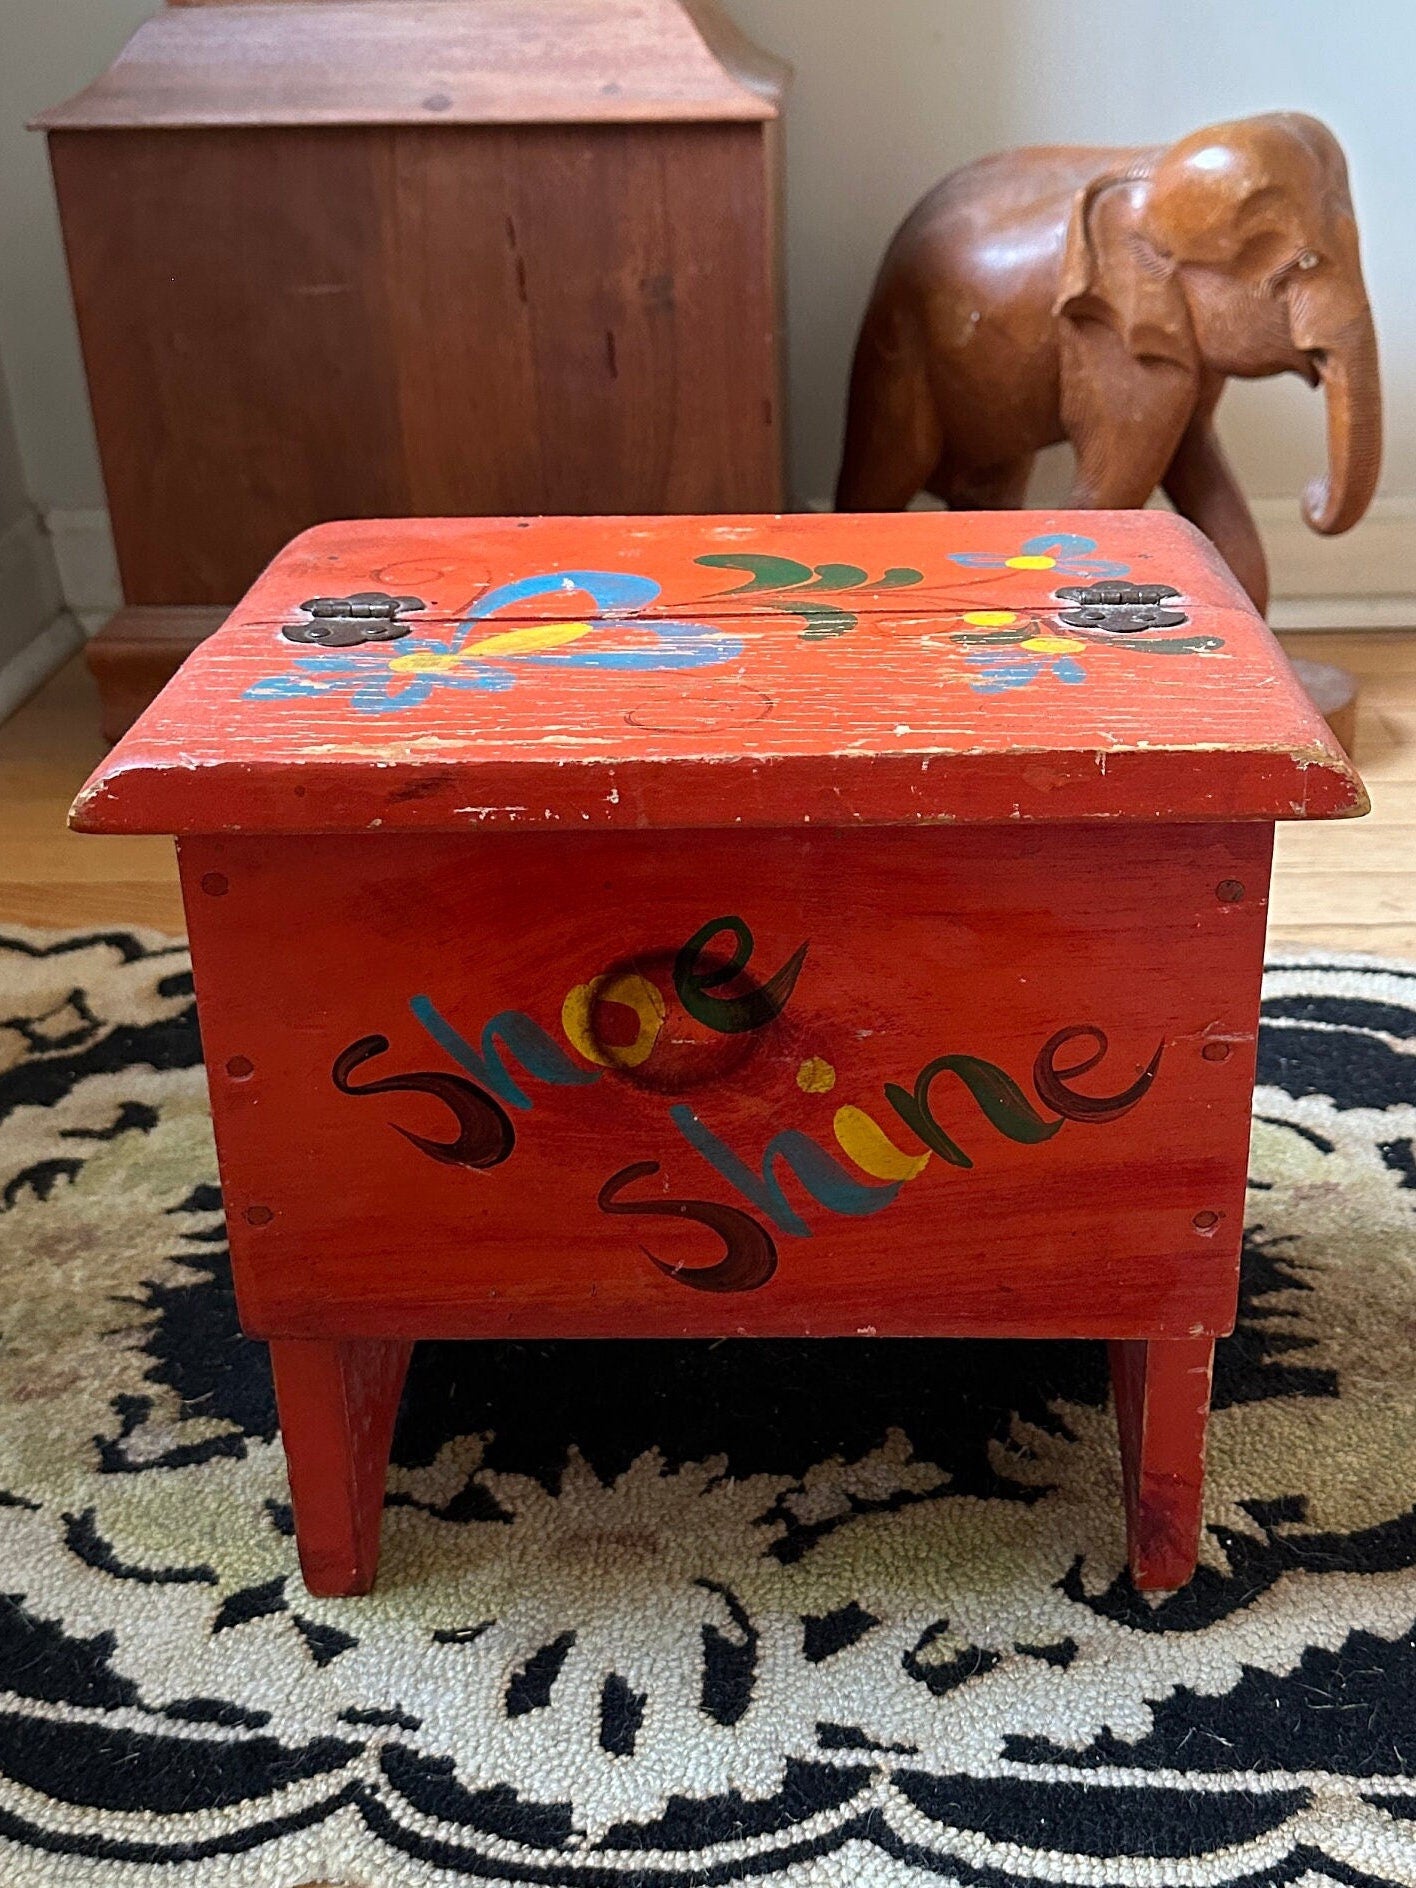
<point x="1348" y="371"/>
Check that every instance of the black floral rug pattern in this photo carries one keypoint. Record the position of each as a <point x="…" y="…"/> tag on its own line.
<point x="660" y="1615"/>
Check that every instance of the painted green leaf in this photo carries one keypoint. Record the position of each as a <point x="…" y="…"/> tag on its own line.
<point x="765" y="573"/>
<point x="821" y="620"/>
<point x="899" y="576"/>
<point x="1177" y="645"/>
<point x="838" y="577"/>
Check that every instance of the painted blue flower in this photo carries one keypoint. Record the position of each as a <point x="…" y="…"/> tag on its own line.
<point x="385" y="676"/>
<point x="996" y="670"/>
<point x="1060" y="551"/>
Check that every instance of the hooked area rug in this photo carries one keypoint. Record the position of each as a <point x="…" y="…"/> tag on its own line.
<point x="672" y="1615"/>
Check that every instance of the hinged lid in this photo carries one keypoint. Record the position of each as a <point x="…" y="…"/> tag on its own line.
<point x="484" y="674"/>
<point x="429" y="62"/>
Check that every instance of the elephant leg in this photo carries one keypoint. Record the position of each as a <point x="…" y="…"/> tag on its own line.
<point x="1125" y="417"/>
<point x="1202" y="487"/>
<point x="893" y="434"/>
<point x="984" y="488"/>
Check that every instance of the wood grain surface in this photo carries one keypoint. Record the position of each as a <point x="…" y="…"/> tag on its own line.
<point x="1162" y="1396"/>
<point x="288" y="325"/>
<point x="338" y="1403"/>
<point x="941" y="1081"/>
<point x="50" y="876"/>
<point x="718" y="672"/>
<point x="334" y="62"/>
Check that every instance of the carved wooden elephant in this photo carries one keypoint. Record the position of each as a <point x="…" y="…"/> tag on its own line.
<point x="1104" y="296"/>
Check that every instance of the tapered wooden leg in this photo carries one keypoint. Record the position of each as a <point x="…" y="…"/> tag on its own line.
<point x="337" y="1404"/>
<point x="1162" y="1410"/>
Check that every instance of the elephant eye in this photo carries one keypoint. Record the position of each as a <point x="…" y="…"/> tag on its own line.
<point x="1309" y="259"/>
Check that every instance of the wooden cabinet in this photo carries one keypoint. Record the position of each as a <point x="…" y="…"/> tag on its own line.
<point x="365" y="258"/>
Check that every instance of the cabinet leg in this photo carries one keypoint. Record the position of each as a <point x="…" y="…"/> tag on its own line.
<point x="337" y="1404"/>
<point x="1162" y="1391"/>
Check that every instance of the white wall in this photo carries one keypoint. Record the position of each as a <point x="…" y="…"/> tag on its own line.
<point x="49" y="49"/>
<point x="33" y="635"/>
<point x="14" y="499"/>
<point x="889" y="95"/>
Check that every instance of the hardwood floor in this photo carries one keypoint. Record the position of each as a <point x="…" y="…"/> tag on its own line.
<point x="1351" y="886"/>
<point x="48" y="875"/>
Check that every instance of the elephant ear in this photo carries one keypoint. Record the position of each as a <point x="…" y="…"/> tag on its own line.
<point x="1112" y="273"/>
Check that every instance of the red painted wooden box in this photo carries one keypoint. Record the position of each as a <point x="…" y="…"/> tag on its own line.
<point x="701" y="926"/>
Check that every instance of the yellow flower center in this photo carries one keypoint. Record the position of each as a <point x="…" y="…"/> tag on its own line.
<point x="526" y="640"/>
<point x="423" y="662"/>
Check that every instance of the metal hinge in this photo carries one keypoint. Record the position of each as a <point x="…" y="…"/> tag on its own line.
<point x="1122" y="608"/>
<point x="342" y="622"/>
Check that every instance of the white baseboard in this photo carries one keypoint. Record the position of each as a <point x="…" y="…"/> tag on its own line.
<point x="88" y="566"/>
<point x="31" y="666"/>
<point x="30" y="593"/>
<point x="31" y="637"/>
<point x="1348" y="614"/>
<point x="1376" y="559"/>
